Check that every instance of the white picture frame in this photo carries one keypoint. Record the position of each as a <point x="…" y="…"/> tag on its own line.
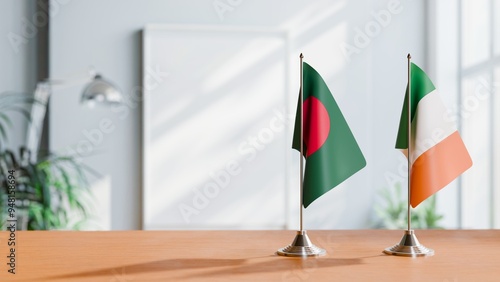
<point x="215" y="127"/>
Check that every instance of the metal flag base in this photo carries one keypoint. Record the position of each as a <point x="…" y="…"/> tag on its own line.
<point x="409" y="247"/>
<point x="301" y="247"/>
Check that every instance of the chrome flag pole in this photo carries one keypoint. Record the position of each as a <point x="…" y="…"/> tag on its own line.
<point x="409" y="245"/>
<point x="301" y="245"/>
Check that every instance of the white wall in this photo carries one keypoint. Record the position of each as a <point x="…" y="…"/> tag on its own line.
<point x="368" y="87"/>
<point x="18" y="57"/>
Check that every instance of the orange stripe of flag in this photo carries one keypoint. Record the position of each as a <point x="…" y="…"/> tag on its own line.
<point x="437" y="167"/>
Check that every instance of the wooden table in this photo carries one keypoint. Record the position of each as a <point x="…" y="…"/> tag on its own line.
<point x="247" y="256"/>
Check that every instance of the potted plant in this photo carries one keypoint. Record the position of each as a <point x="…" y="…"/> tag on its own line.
<point x="51" y="192"/>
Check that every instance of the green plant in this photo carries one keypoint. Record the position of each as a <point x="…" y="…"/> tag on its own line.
<point x="393" y="213"/>
<point x="53" y="191"/>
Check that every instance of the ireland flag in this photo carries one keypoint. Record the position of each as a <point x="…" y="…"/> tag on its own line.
<point x="437" y="153"/>
<point x="332" y="154"/>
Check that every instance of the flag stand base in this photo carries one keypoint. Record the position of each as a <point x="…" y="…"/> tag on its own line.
<point x="409" y="247"/>
<point x="301" y="247"/>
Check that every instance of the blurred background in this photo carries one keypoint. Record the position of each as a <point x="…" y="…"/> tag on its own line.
<point x="201" y="136"/>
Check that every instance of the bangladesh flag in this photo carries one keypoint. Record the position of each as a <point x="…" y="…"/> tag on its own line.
<point x="332" y="154"/>
<point x="437" y="153"/>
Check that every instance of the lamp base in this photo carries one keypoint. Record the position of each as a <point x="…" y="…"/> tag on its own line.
<point x="301" y="247"/>
<point x="409" y="247"/>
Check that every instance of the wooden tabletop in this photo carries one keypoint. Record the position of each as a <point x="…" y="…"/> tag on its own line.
<point x="117" y="256"/>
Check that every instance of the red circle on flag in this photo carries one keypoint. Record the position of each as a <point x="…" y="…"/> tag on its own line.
<point x="316" y="125"/>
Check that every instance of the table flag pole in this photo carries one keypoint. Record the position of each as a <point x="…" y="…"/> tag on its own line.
<point x="301" y="245"/>
<point x="409" y="246"/>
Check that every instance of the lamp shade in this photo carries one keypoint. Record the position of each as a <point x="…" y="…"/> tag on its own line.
<point x="102" y="91"/>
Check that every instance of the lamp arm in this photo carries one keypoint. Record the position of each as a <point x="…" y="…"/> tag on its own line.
<point x="38" y="111"/>
<point x="72" y="81"/>
<point x="98" y="88"/>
